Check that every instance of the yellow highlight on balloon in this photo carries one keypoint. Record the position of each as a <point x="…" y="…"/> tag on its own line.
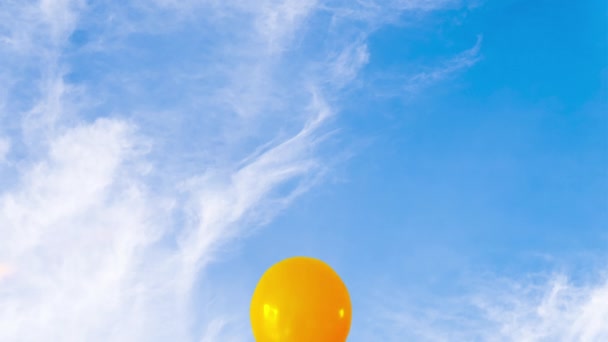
<point x="300" y="299"/>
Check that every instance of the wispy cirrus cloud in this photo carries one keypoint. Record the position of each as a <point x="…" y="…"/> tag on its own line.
<point x="540" y="308"/>
<point x="141" y="138"/>
<point x="4" y="148"/>
<point x="462" y="61"/>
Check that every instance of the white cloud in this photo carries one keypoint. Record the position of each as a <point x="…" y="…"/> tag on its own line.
<point x="347" y="64"/>
<point x="462" y="61"/>
<point x="72" y="233"/>
<point x="4" y="149"/>
<point x="557" y="311"/>
<point x="60" y="16"/>
<point x="5" y="271"/>
<point x="278" y="22"/>
<point x="109" y="223"/>
<point x="35" y="29"/>
<point x="546" y="309"/>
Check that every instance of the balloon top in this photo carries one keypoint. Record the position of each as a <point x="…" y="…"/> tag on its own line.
<point x="300" y="299"/>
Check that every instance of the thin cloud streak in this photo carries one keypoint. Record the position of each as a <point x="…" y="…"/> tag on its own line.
<point x="462" y="61"/>
<point x="4" y="149"/>
<point x="553" y="309"/>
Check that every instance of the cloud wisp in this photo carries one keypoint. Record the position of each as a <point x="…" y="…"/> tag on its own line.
<point x="462" y="61"/>
<point x="533" y="309"/>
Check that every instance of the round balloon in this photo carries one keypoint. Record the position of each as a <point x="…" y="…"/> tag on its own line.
<point x="300" y="299"/>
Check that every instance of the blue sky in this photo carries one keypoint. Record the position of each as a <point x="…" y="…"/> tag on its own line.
<point x="448" y="158"/>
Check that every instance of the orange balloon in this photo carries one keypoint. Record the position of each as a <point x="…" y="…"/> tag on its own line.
<point x="300" y="299"/>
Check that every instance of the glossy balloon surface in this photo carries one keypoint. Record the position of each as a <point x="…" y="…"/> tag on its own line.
<point x="300" y="299"/>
